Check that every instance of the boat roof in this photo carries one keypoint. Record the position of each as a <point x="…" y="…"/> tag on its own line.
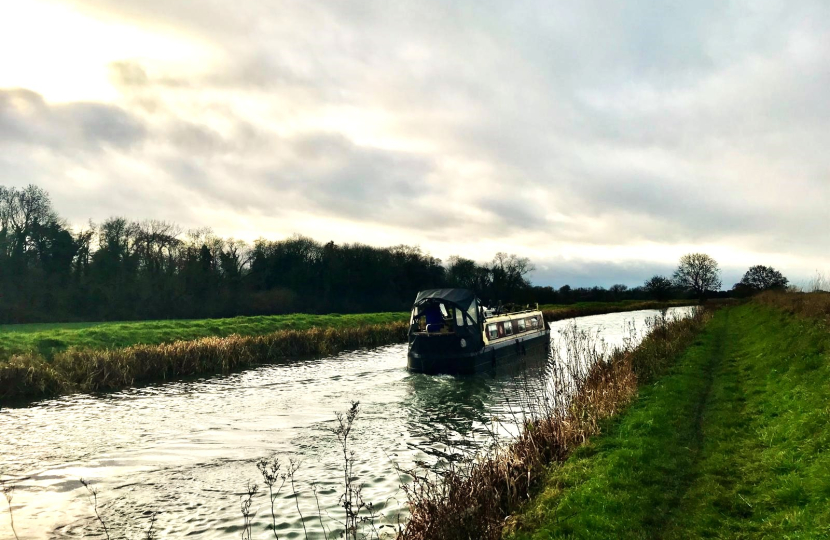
<point x="462" y="298"/>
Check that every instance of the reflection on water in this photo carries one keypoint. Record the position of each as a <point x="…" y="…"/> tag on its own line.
<point x="186" y="449"/>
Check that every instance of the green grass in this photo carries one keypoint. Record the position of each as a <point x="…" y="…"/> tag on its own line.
<point x="733" y="443"/>
<point x="48" y="339"/>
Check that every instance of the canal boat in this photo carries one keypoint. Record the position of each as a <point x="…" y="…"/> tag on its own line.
<point x="450" y="331"/>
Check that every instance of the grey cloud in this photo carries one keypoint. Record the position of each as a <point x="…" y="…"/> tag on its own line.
<point x="679" y="122"/>
<point x="519" y="213"/>
<point x="26" y="118"/>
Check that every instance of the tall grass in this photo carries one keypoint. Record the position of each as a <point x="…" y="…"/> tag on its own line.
<point x="819" y="282"/>
<point x="86" y="370"/>
<point x="814" y="304"/>
<point x="581" y="387"/>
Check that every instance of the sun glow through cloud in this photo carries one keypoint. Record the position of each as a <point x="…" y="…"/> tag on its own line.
<point x="65" y="55"/>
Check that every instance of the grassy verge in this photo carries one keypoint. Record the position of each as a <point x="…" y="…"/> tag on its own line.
<point x="30" y="375"/>
<point x="733" y="443"/>
<point x="815" y="305"/>
<point x="48" y="339"/>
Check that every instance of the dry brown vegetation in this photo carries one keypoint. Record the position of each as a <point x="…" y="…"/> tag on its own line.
<point x="84" y="370"/>
<point x="473" y="500"/>
<point x="808" y="304"/>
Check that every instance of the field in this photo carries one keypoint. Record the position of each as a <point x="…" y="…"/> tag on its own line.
<point x="47" y="339"/>
<point x="733" y="443"/>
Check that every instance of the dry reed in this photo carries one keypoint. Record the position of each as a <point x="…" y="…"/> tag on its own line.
<point x="815" y="304"/>
<point x="580" y="388"/>
<point x="87" y="370"/>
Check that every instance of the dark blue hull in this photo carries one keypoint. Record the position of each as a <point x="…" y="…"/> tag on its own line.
<point x="487" y="359"/>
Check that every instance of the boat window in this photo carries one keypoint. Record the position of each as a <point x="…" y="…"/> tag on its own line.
<point x="444" y="310"/>
<point x="473" y="313"/>
<point x="534" y="322"/>
<point x="492" y="331"/>
<point x="521" y="325"/>
<point x="508" y="328"/>
<point x="459" y="317"/>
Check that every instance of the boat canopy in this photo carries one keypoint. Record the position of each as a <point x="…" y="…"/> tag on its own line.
<point x="461" y="298"/>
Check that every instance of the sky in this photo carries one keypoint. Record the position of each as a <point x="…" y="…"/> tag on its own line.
<point x="603" y="140"/>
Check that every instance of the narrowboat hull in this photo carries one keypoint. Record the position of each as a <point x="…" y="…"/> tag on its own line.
<point x="489" y="358"/>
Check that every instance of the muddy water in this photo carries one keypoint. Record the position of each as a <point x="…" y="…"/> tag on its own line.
<point x="186" y="449"/>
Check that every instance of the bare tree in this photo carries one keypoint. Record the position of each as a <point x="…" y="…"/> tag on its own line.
<point x="698" y="272"/>
<point x="509" y="275"/>
<point x="21" y="212"/>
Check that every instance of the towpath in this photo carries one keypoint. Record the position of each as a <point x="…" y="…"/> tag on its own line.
<point x="733" y="443"/>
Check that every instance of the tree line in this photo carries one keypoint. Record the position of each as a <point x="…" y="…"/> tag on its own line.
<point x="128" y="270"/>
<point x="699" y="275"/>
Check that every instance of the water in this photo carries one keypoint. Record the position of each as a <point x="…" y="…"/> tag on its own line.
<point x="186" y="449"/>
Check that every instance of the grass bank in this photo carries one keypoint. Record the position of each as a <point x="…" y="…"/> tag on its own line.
<point x="31" y="375"/>
<point x="48" y="339"/>
<point x="814" y="305"/>
<point x="733" y="443"/>
<point x="472" y="501"/>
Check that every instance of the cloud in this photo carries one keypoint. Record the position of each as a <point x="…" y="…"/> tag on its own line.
<point x="534" y="128"/>
<point x="26" y="119"/>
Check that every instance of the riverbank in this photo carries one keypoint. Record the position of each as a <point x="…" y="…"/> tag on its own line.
<point x="38" y="361"/>
<point x="49" y="339"/>
<point x="31" y="375"/>
<point x="734" y="442"/>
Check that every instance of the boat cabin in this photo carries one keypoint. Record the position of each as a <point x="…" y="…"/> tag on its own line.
<point x="451" y="332"/>
<point x="510" y="325"/>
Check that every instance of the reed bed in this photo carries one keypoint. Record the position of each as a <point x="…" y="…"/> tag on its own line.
<point x="583" y="385"/>
<point x="30" y="375"/>
<point x="815" y="304"/>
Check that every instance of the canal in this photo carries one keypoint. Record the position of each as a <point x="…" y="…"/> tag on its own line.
<point x="187" y="449"/>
